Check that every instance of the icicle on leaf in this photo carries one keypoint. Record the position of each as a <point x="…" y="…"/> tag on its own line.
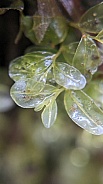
<point x="84" y="112"/>
<point x="16" y="5"/>
<point x="99" y="37"/>
<point x="95" y="90"/>
<point x="68" y="76"/>
<point x="49" y="114"/>
<point x="68" y="52"/>
<point x="92" y="20"/>
<point x="30" y="64"/>
<point x="87" y="57"/>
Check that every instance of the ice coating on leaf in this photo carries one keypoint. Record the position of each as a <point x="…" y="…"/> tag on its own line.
<point x="84" y="112"/>
<point x="45" y="96"/>
<point x="26" y="95"/>
<point x="87" y="57"/>
<point x="30" y="64"/>
<point x="92" y="20"/>
<point x="23" y="92"/>
<point x="49" y="114"/>
<point x="68" y="76"/>
<point x="95" y="90"/>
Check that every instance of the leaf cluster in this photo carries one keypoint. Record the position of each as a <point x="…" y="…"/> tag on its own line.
<point x="41" y="75"/>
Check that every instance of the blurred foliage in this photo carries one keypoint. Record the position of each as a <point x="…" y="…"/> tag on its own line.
<point x="29" y="153"/>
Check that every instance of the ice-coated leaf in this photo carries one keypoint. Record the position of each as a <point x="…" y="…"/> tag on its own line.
<point x="68" y="76"/>
<point x="95" y="90"/>
<point x="68" y="52"/>
<point x="30" y="64"/>
<point x="92" y="20"/>
<point x="84" y="112"/>
<point x="50" y="78"/>
<point x="49" y="114"/>
<point x="45" y="96"/>
<point x="29" y="94"/>
<point x="99" y="37"/>
<point x="23" y="91"/>
<point x="87" y="57"/>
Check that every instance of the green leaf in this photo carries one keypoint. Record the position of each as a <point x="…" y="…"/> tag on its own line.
<point x="87" y="57"/>
<point x="30" y="65"/>
<point x="50" y="78"/>
<point x="26" y="24"/>
<point x="47" y="26"/>
<point x="40" y="26"/>
<point x="55" y="33"/>
<point x="95" y="90"/>
<point x="49" y="114"/>
<point x="68" y="52"/>
<point x="16" y="5"/>
<point x="92" y="20"/>
<point x="46" y="10"/>
<point x="84" y="112"/>
<point x="99" y="37"/>
<point x="45" y="96"/>
<point x="68" y="76"/>
<point x="23" y="92"/>
<point x="39" y="48"/>
<point x="71" y="37"/>
<point x="31" y="94"/>
<point x="47" y="30"/>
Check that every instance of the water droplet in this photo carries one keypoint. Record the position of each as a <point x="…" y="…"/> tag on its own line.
<point x="93" y="70"/>
<point x="94" y="14"/>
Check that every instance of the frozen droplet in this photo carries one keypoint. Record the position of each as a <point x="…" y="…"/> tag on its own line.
<point x="93" y="70"/>
<point x="94" y="14"/>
